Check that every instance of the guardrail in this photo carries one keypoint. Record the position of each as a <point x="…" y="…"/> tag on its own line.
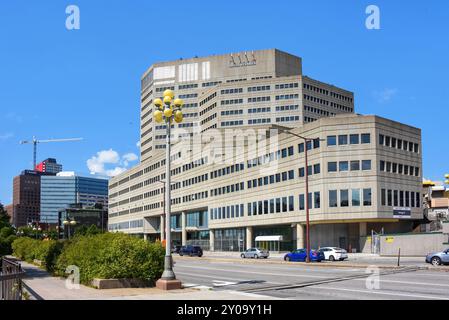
<point x="11" y="274"/>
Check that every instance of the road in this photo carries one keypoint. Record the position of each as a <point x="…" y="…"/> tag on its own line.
<point x="292" y="281"/>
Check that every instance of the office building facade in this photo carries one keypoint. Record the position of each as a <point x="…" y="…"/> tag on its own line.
<point x="364" y="171"/>
<point x="49" y="166"/>
<point x="60" y="191"/>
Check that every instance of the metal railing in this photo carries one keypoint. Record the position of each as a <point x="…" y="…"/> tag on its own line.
<point x="11" y="274"/>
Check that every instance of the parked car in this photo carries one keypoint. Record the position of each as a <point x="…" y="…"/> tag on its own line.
<point x="176" y="249"/>
<point x="255" y="253"/>
<point x="191" y="251"/>
<point x="334" y="253"/>
<point x="438" y="258"/>
<point x="300" y="255"/>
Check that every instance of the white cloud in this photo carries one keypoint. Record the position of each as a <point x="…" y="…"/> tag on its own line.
<point x="97" y="164"/>
<point x="129" y="157"/>
<point x="385" y="95"/>
<point x="138" y="144"/>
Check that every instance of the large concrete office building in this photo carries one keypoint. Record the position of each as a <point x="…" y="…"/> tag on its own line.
<point x="364" y="171"/>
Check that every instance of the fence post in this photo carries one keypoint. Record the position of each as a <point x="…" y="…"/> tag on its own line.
<point x="399" y="257"/>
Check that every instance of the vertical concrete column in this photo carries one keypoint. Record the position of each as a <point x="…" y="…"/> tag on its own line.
<point x="162" y="227"/>
<point x="362" y="229"/>
<point x="184" y="231"/>
<point x="211" y="240"/>
<point x="300" y="230"/>
<point x="249" y="237"/>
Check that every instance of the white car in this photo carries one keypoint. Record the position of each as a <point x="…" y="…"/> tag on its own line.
<point x="334" y="253"/>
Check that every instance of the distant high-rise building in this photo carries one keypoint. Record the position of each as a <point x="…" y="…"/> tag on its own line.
<point x="26" y="198"/>
<point x="60" y="191"/>
<point x="49" y="165"/>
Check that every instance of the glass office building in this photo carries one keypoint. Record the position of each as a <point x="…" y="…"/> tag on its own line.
<point x="59" y="192"/>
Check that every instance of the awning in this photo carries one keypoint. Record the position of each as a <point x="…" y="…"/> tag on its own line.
<point x="269" y="238"/>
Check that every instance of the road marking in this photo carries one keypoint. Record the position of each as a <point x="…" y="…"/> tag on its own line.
<point x="218" y="283"/>
<point x="255" y="272"/>
<point x="397" y="294"/>
<point x="219" y="277"/>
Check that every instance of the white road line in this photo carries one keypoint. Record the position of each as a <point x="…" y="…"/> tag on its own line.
<point x="255" y="272"/>
<point x="216" y="277"/>
<point x="397" y="294"/>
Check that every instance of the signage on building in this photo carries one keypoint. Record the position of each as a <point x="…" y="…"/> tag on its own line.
<point x="245" y="60"/>
<point x="389" y="239"/>
<point x="404" y="213"/>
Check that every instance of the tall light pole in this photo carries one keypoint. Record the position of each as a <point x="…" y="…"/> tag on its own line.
<point x="168" y="110"/>
<point x="306" y="174"/>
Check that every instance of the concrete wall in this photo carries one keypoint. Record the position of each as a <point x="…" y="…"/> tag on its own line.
<point x="412" y="244"/>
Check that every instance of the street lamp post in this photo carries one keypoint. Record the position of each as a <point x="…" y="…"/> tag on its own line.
<point x="168" y="110"/>
<point x="69" y="223"/>
<point x="306" y="174"/>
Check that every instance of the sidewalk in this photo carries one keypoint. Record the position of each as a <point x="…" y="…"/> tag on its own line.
<point x="46" y="287"/>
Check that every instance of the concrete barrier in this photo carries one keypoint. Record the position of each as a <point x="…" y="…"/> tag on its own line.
<point x="412" y="244"/>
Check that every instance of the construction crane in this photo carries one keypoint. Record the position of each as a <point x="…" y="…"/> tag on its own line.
<point x="35" y="142"/>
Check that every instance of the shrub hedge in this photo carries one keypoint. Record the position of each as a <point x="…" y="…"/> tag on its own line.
<point x="102" y="256"/>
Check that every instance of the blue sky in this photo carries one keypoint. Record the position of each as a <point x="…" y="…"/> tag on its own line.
<point x="56" y="83"/>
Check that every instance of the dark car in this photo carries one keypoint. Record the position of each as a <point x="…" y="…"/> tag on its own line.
<point x="191" y="251"/>
<point x="176" y="249"/>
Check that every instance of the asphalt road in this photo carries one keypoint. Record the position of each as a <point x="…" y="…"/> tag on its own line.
<point x="292" y="281"/>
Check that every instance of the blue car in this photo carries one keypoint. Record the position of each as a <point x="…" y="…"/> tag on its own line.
<point x="300" y="255"/>
<point x="438" y="258"/>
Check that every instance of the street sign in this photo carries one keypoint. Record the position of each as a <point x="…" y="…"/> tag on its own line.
<point x="402" y="213"/>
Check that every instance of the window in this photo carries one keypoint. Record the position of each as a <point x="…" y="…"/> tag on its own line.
<point x="390" y="198"/>
<point x="418" y="200"/>
<point x="366" y="138"/>
<point x="301" y="202"/>
<point x="260" y="206"/>
<point x="381" y="139"/>
<point x="265" y="207"/>
<point x="284" y="204"/>
<point x="399" y="143"/>
<point x="291" y="204"/>
<point x="354" y="139"/>
<point x="301" y="172"/>
<point x="387" y="141"/>
<point x="344" y="198"/>
<point x="331" y="141"/>
<point x="382" y="165"/>
<point x="416" y="148"/>
<point x="333" y="199"/>
<point x="316" y="168"/>
<point x="291" y="174"/>
<point x="343" y="166"/>
<point x="355" y="197"/>
<point x="395" y="198"/>
<point x="367" y="197"/>
<point x="342" y="140"/>
<point x="355" y="165"/>
<point x="331" y="167"/>
<point x="393" y="142"/>
<point x="301" y="147"/>
<point x="317" y="200"/>
<point x="401" y="198"/>
<point x="278" y="205"/>
<point x="407" y="199"/>
<point x="383" y="197"/>
<point x="366" y="165"/>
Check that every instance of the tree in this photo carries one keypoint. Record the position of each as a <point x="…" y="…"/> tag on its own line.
<point x="4" y="218"/>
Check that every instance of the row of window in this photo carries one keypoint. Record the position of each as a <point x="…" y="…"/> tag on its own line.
<point x="259" y="121"/>
<point x="231" y="91"/>
<point x="274" y="178"/>
<point x="345" y="201"/>
<point x="354" y="165"/>
<point x="399" y="198"/>
<point x="397" y="143"/>
<point x="228" y="170"/>
<point x="195" y="180"/>
<point x="276" y="205"/>
<point x="259" y="110"/>
<point x="287" y="108"/>
<point x="287" y="119"/>
<point x="391" y="167"/>
<point x="227" y="189"/>
<point x="318" y="111"/>
<point x="213" y="95"/>
<point x="287" y="85"/>
<point x="195" y="196"/>
<point x="286" y="152"/>
<point x="364" y="138"/>
<point x="259" y="99"/>
<point x="259" y="88"/>
<point x="228" y="212"/>
<point x="232" y="112"/>
<point x="287" y="97"/>
<point x="209" y="108"/>
<point x="231" y="101"/>
<point x="232" y="123"/>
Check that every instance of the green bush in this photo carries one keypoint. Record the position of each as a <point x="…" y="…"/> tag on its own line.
<point x="46" y="251"/>
<point x="112" y="256"/>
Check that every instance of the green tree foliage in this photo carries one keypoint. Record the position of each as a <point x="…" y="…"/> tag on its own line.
<point x="7" y="233"/>
<point x="46" y="251"/>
